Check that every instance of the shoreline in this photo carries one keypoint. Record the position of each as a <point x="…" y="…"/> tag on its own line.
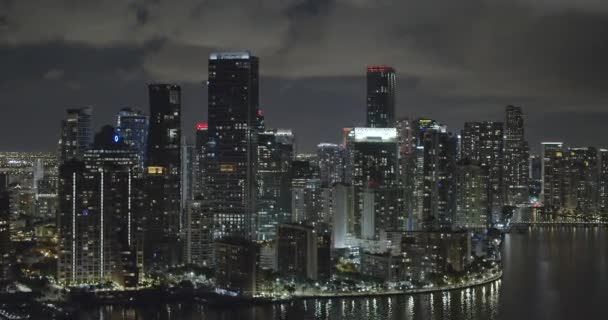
<point x="340" y="295"/>
<point x="156" y="295"/>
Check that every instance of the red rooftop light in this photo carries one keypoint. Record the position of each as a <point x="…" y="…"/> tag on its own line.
<point x="202" y="126"/>
<point x="380" y="68"/>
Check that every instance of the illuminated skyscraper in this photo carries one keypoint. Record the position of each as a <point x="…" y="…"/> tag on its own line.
<point x="380" y="97"/>
<point x="375" y="173"/>
<point x="76" y="134"/>
<point x="275" y="155"/>
<point x="439" y="160"/>
<point x="98" y="231"/>
<point x="516" y="175"/>
<point x="552" y="172"/>
<point x="132" y="128"/>
<point x="199" y="184"/>
<point x="163" y="176"/>
<point x="306" y="192"/>
<point x="331" y="163"/>
<point x="470" y="187"/>
<point x="199" y="234"/>
<point x="603" y="180"/>
<point x="483" y="142"/>
<point x="233" y="139"/>
<point x="581" y="184"/>
<point x="6" y="256"/>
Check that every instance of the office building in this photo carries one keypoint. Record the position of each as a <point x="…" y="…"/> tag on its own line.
<point x="164" y="176"/>
<point x="76" y="134"/>
<point x="331" y="163"/>
<point x="199" y="183"/>
<point x="233" y="101"/>
<point x="297" y="251"/>
<point x="132" y="128"/>
<point x="275" y="156"/>
<point x="380" y="97"/>
<point x="516" y="154"/>
<point x="438" y="167"/>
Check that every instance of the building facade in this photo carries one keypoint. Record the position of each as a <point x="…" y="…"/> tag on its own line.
<point x="381" y="84"/>
<point x="233" y="102"/>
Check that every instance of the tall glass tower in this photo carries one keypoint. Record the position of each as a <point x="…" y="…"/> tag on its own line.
<point x="380" y="97"/>
<point x="132" y="128"/>
<point x="163" y="176"/>
<point x="232" y="148"/>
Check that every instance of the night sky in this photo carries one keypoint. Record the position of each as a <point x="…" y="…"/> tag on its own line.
<point x="456" y="61"/>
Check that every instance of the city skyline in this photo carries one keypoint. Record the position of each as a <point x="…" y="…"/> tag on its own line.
<point x="303" y="159"/>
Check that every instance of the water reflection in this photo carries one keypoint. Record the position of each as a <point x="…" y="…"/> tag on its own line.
<point x="475" y="303"/>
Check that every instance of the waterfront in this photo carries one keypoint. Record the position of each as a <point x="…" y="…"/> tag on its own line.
<point x="549" y="273"/>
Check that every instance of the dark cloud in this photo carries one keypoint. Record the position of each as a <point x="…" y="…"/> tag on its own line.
<point x="457" y="60"/>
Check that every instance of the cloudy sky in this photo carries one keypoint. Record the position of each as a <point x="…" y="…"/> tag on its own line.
<point x="456" y="61"/>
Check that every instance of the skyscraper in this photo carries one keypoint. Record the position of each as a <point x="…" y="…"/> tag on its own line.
<point x="275" y="155"/>
<point x="306" y="192"/>
<point x="581" y="184"/>
<point x="552" y="172"/>
<point x="233" y="128"/>
<point x="375" y="172"/>
<point x="199" y="234"/>
<point x="132" y="128"/>
<point x="483" y="142"/>
<point x="76" y="134"/>
<point x="439" y="160"/>
<point x="199" y="184"/>
<point x="603" y="180"/>
<point x="5" y="232"/>
<point x="163" y="175"/>
<point x="516" y="155"/>
<point x="380" y="97"/>
<point x="470" y="187"/>
<point x="331" y="163"/>
<point x="98" y="232"/>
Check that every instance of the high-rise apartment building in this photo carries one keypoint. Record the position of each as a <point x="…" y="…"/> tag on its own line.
<point x="374" y="153"/>
<point x="99" y="238"/>
<point x="483" y="142"/>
